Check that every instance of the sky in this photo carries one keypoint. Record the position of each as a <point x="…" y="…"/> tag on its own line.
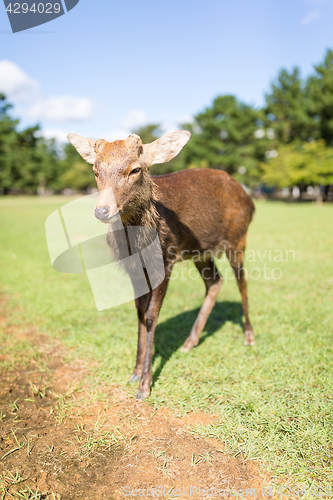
<point x="110" y="66"/>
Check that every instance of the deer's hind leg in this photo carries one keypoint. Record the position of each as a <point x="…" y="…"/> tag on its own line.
<point x="213" y="281"/>
<point x="236" y="259"/>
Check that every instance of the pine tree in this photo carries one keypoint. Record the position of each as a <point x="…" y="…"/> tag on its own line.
<point x="320" y="96"/>
<point x="288" y="108"/>
<point x="230" y="136"/>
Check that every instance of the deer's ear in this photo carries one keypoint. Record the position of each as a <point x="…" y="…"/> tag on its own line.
<point x="84" y="146"/>
<point x="167" y="147"/>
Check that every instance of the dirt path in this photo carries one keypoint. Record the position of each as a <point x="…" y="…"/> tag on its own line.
<point x="57" y="441"/>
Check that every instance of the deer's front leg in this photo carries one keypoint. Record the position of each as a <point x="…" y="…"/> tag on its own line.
<point x="151" y="318"/>
<point x="141" y="305"/>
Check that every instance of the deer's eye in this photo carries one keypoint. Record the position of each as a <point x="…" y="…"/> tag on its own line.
<point x="135" y="171"/>
<point x="96" y="174"/>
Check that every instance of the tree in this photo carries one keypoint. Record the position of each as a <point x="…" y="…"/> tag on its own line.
<point x="74" y="172"/>
<point x="288" y="108"/>
<point x="149" y="133"/>
<point x="320" y="97"/>
<point x="300" y="164"/>
<point x="26" y="160"/>
<point x="231" y="136"/>
<point x="8" y="139"/>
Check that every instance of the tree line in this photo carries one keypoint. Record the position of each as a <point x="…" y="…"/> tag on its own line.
<point x="288" y="142"/>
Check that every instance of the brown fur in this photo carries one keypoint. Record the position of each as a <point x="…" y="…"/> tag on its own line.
<point x="196" y="212"/>
<point x="192" y="210"/>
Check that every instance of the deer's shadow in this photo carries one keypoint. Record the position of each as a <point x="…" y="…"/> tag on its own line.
<point x="172" y="333"/>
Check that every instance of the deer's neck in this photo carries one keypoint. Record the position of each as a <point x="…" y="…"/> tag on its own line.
<point x="145" y="211"/>
<point x="147" y="215"/>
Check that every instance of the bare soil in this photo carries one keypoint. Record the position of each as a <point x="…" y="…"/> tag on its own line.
<point x="58" y="441"/>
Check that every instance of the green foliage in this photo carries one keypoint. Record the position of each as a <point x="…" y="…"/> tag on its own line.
<point x="303" y="109"/>
<point x="282" y="144"/>
<point x="8" y="140"/>
<point x="287" y="107"/>
<point x="78" y="177"/>
<point x="75" y="172"/>
<point x="27" y="162"/>
<point x="223" y="137"/>
<point x="320" y="94"/>
<point x="149" y="133"/>
<point x="309" y="163"/>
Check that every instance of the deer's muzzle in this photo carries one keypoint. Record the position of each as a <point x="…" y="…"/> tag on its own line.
<point x="102" y="213"/>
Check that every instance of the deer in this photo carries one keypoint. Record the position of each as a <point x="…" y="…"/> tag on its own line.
<point x="196" y="213"/>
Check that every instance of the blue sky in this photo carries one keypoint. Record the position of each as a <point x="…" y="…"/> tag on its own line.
<point x="108" y="66"/>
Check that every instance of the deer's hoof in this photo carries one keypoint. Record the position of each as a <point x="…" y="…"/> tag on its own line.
<point x="134" y="378"/>
<point x="188" y="345"/>
<point x="142" y="394"/>
<point x="185" y="348"/>
<point x="249" y="338"/>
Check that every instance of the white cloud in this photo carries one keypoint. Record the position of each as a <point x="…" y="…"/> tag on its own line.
<point x="61" y="109"/>
<point x="24" y="91"/>
<point x="184" y="119"/>
<point x="134" y="119"/>
<point x="138" y="118"/>
<point x="172" y="124"/>
<point x="15" y="83"/>
<point x="55" y="133"/>
<point x="111" y="135"/>
<point x="310" y="17"/>
<point x="114" y="135"/>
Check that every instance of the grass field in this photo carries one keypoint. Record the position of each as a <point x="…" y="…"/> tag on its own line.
<point x="275" y="400"/>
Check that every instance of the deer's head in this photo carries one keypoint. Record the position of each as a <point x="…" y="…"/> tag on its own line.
<point x="122" y="170"/>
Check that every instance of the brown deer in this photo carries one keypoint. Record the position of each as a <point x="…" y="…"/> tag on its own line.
<point x="195" y="212"/>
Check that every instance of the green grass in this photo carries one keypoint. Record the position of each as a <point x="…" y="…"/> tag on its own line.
<point x="275" y="400"/>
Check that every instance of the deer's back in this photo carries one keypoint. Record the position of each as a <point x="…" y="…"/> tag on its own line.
<point x="203" y="208"/>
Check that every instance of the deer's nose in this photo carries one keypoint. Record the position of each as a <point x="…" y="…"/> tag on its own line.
<point x="102" y="213"/>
